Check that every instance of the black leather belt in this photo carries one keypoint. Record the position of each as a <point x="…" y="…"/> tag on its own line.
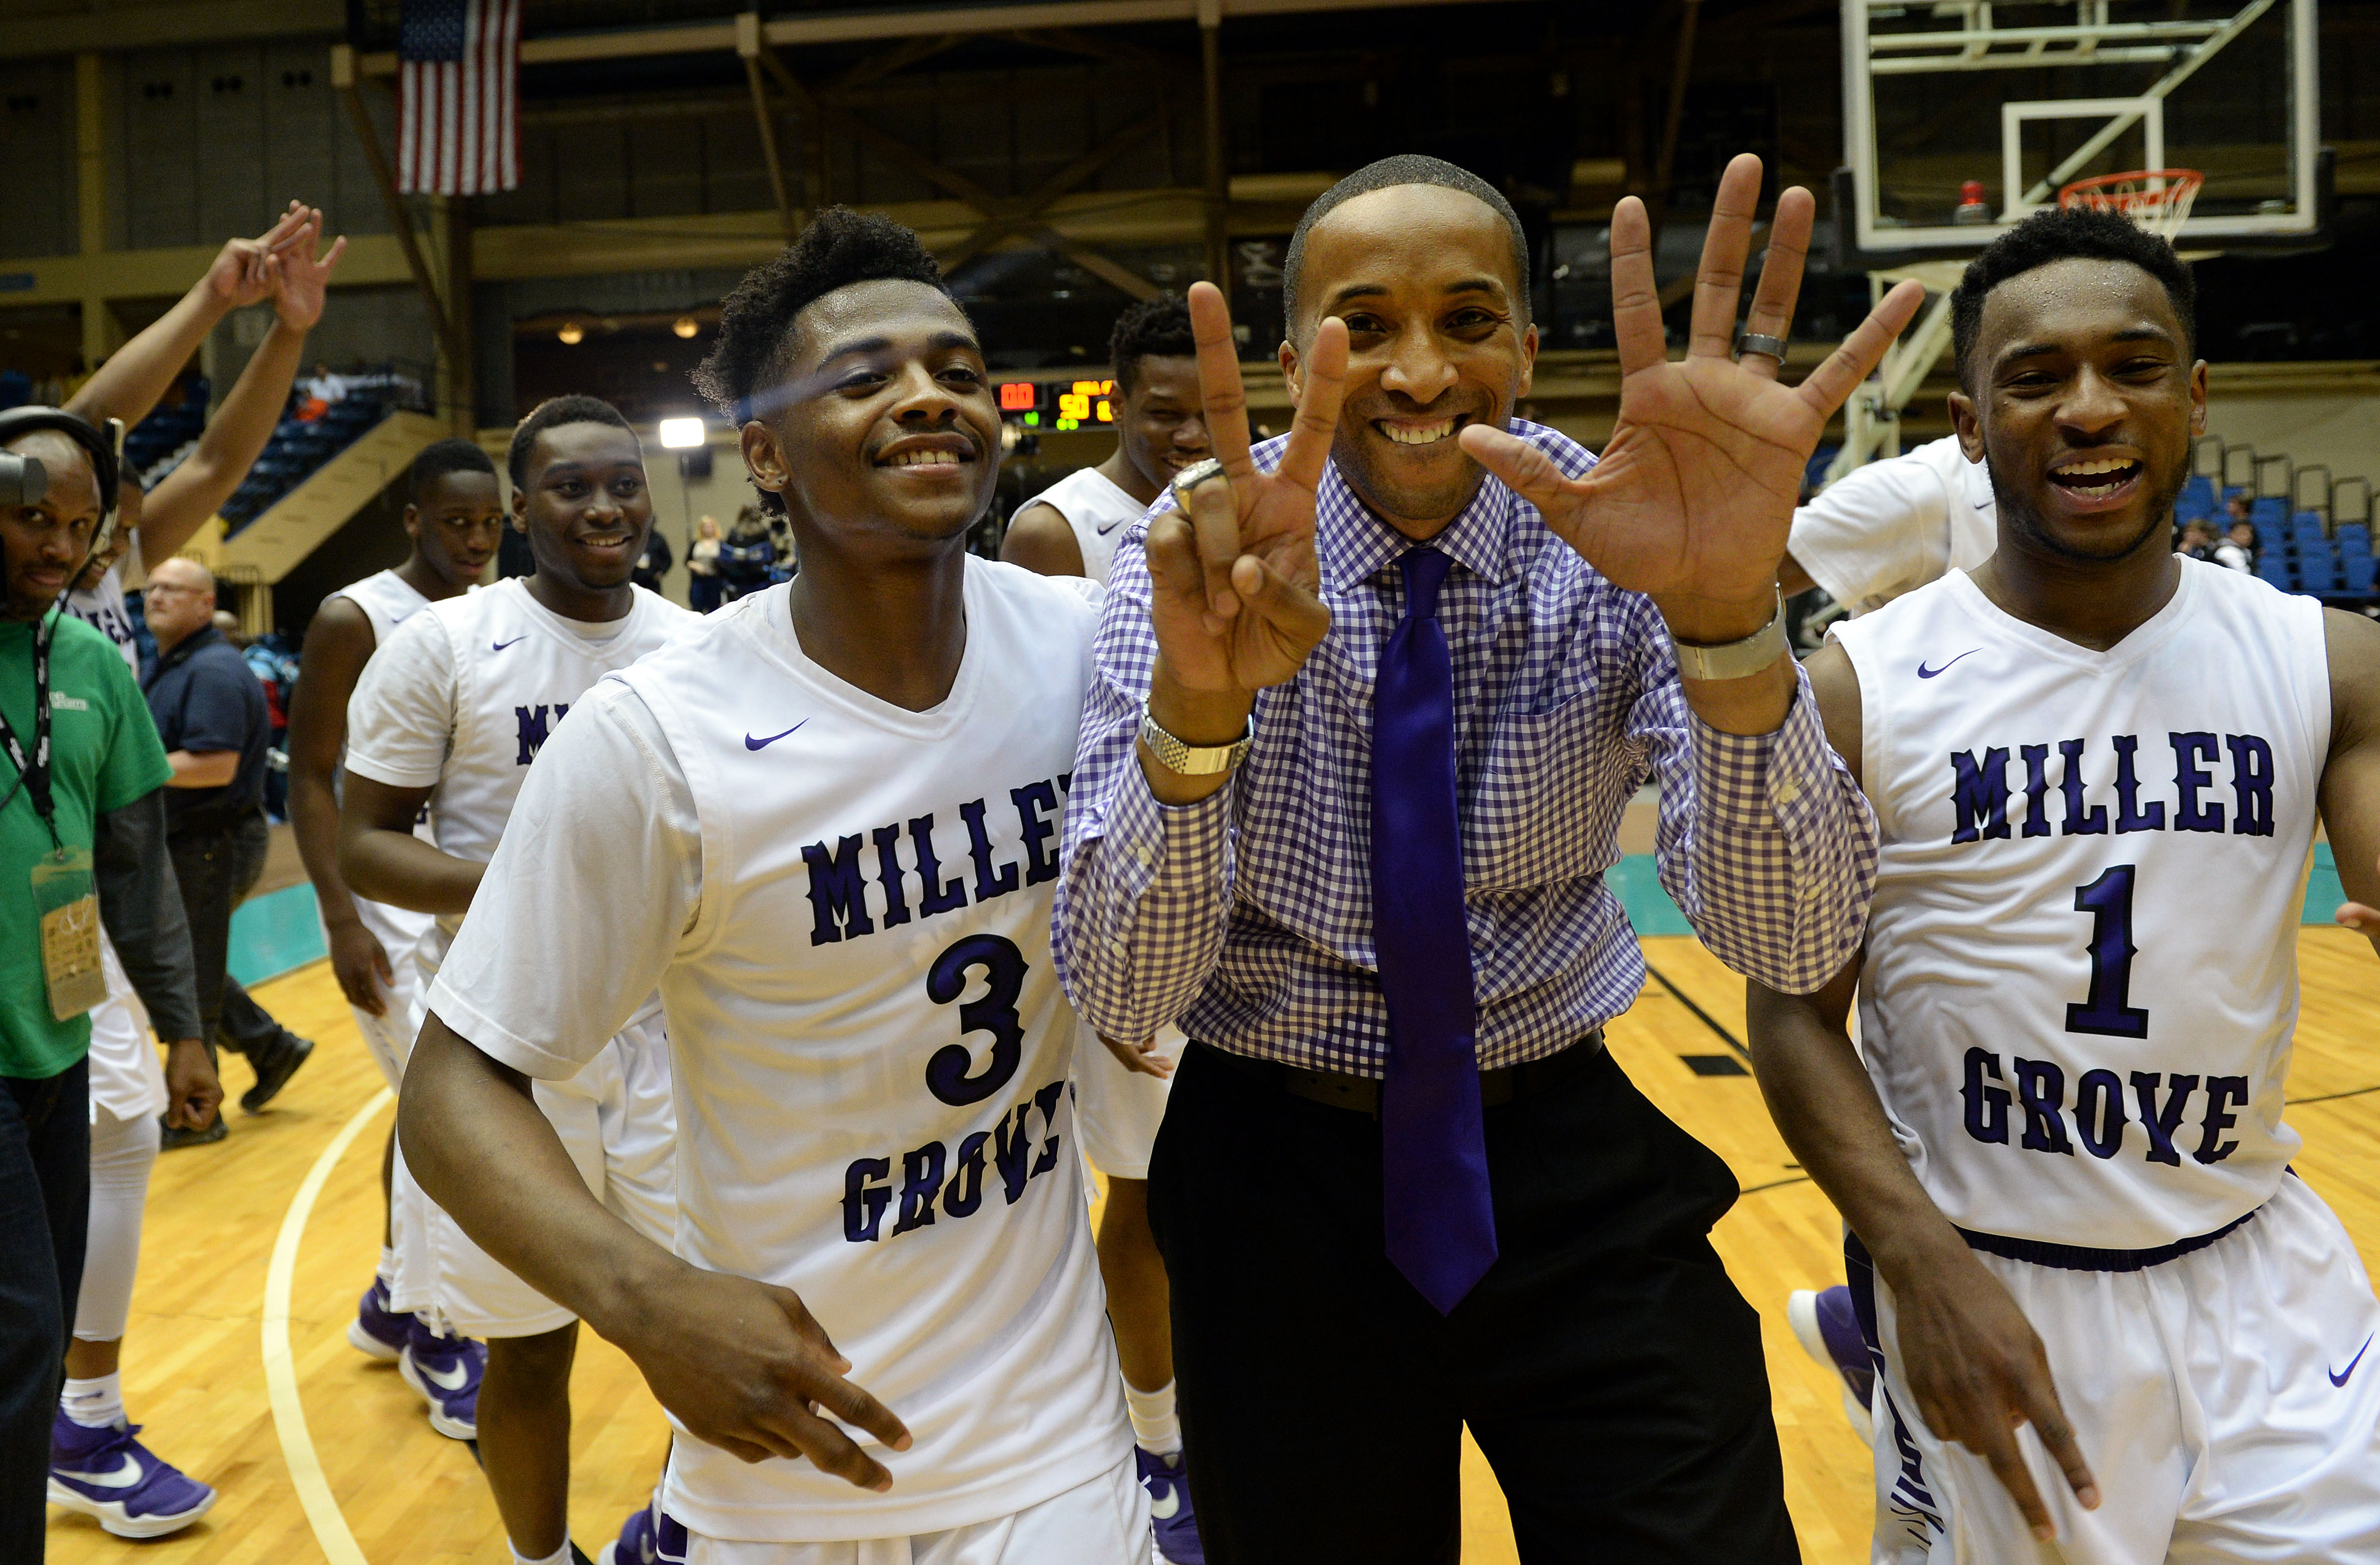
<point x="1340" y="1089"/>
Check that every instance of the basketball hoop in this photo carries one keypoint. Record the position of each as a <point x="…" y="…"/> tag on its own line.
<point x="2157" y="199"/>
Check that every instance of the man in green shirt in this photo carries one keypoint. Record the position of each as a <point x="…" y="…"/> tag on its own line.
<point x="81" y="837"/>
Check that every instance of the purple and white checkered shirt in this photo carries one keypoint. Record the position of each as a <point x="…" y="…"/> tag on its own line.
<point x="1248" y="915"/>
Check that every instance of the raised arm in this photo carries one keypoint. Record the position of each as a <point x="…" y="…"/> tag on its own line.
<point x="238" y="433"/>
<point x="138" y="374"/>
<point x="1975" y="1368"/>
<point x="2350" y="781"/>
<point x="338" y="643"/>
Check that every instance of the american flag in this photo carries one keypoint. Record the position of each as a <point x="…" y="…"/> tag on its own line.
<point x="457" y="124"/>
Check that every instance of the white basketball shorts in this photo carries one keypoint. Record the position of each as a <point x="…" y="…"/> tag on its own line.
<point x="390" y="1035"/>
<point x="1104" y="1521"/>
<point x="2228" y="1401"/>
<point x="616" y="1120"/>
<point x="126" y="1079"/>
<point x="1117" y="1109"/>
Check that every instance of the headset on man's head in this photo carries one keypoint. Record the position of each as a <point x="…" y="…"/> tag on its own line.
<point x="103" y="445"/>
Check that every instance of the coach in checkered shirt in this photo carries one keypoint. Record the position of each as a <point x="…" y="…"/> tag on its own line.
<point x="1400" y="1187"/>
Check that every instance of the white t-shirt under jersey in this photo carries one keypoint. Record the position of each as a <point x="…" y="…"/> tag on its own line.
<point x="462" y="696"/>
<point x="846" y="908"/>
<point x="1893" y="525"/>
<point x="1098" y="510"/>
<point x="2082" y="962"/>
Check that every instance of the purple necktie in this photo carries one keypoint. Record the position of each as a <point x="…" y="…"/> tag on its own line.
<point x="1440" y="1225"/>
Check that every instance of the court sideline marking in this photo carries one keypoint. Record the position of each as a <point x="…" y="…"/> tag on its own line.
<point x="321" y="1507"/>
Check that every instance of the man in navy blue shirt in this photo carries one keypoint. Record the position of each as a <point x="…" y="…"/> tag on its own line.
<point x="211" y="714"/>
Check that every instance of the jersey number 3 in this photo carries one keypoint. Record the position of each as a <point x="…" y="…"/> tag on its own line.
<point x="1003" y="965"/>
<point x="2105" y="1010"/>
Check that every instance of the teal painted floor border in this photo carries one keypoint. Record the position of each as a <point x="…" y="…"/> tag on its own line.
<point x="274" y="933"/>
<point x="1634" y="880"/>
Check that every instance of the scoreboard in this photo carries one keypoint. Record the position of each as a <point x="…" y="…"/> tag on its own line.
<point x="1082" y="405"/>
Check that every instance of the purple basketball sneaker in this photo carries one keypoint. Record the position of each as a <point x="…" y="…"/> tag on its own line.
<point x="378" y="1331"/>
<point x="108" y="1474"/>
<point x="1826" y="1325"/>
<point x="1169" y="1509"/>
<point x="444" y="1372"/>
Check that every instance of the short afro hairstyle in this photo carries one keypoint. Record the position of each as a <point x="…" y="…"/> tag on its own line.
<point x="453" y="455"/>
<point x="1406" y="168"/>
<point x="840" y="247"/>
<point x="1155" y="328"/>
<point x="2068" y="234"/>
<point x="553" y="413"/>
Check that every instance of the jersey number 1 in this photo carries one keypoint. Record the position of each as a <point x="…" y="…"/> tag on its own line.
<point x="1003" y="965"/>
<point x="2105" y="1010"/>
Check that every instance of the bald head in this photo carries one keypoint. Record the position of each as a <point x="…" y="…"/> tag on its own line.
<point x="178" y="601"/>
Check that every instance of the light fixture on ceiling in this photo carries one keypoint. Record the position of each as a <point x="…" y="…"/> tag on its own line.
<point x="681" y="435"/>
<point x="685" y="326"/>
<point x="572" y="333"/>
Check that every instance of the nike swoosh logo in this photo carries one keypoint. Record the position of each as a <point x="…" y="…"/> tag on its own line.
<point x="752" y="743"/>
<point x="501" y="645"/>
<point x="1107" y="527"/>
<point x="2340" y="1378"/>
<point x="453" y="1380"/>
<point x="1925" y="673"/>
<point x="128" y="1475"/>
<point x="1167" y="1509"/>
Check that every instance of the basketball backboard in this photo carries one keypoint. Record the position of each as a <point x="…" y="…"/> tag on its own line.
<point x="2022" y="99"/>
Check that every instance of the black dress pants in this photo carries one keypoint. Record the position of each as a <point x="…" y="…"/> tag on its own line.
<point x="1607" y="1368"/>
<point x="44" y="1220"/>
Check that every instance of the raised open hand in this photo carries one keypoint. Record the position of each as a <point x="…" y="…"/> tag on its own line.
<point x="245" y="271"/>
<point x="300" y="278"/>
<point x="1234" y="583"/>
<point x="1694" y="491"/>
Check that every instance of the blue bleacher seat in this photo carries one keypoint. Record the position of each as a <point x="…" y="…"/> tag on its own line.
<point x="2268" y="508"/>
<point x="2355" y="533"/>
<point x="2356" y="574"/>
<point x="2318" y="568"/>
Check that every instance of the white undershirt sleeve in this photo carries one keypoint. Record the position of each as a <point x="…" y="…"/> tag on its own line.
<point x="401" y="719"/>
<point x="593" y="889"/>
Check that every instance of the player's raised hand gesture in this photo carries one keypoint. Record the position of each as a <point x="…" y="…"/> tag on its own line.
<point x="1233" y="583"/>
<point x="301" y="277"/>
<point x="245" y="271"/>
<point x="1696" y="487"/>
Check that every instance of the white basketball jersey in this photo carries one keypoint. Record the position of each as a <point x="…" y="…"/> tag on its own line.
<point x="466" y="692"/>
<point x="871" y="1052"/>
<point x="1098" y="510"/>
<point x="103" y="609"/>
<point x="2081" y="963"/>
<point x="387" y="599"/>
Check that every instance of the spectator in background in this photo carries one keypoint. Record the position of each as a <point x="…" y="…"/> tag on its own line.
<point x="2235" y="511"/>
<point x="211" y="715"/>
<point x="702" y="566"/>
<point x="2197" y="540"/>
<point x="227" y="624"/>
<point x="2239" y="551"/>
<point x="321" y="389"/>
<point x="746" y="556"/>
<point x="654" y="563"/>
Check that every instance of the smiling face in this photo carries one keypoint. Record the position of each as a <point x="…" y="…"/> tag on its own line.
<point x="2083" y="401"/>
<point x="45" y="542"/>
<point x="1436" y="339"/>
<point x="585" y="506"/>
<point x="1162" y="421"/>
<point x="459" y="521"/>
<point x="884" y="423"/>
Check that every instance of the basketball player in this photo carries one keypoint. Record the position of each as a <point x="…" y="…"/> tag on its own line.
<point x="824" y="822"/>
<point x="2082" y="1264"/>
<point x="1072" y="529"/>
<point x="449" y="713"/>
<point x="455" y="516"/>
<point x="1891" y="527"/>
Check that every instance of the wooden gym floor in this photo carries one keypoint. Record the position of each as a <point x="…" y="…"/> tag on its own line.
<point x="350" y="1473"/>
